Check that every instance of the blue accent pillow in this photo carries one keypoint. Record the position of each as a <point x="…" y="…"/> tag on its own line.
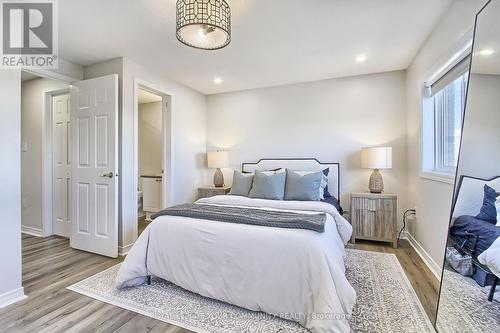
<point x="326" y="194"/>
<point x="303" y="187"/>
<point x="488" y="211"/>
<point x="242" y="184"/>
<point x="268" y="186"/>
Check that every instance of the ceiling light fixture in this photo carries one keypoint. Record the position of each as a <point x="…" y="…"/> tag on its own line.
<point x="203" y="24"/>
<point x="361" y="58"/>
<point x="218" y="80"/>
<point x="486" y="52"/>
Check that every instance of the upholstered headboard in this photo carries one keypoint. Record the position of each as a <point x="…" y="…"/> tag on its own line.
<point x="470" y="194"/>
<point x="300" y="164"/>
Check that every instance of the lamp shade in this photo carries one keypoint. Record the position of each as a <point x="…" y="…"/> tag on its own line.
<point x="217" y="159"/>
<point x="203" y="24"/>
<point x="376" y="158"/>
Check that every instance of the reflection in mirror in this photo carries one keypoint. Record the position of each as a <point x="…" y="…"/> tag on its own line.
<point x="468" y="301"/>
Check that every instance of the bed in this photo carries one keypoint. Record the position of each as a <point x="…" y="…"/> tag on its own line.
<point x="468" y="203"/>
<point x="473" y="234"/>
<point x="296" y="274"/>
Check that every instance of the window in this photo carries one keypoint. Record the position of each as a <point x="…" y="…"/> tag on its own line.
<point x="449" y="104"/>
<point x="442" y="121"/>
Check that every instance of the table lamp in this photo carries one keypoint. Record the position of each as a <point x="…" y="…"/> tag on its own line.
<point x="216" y="160"/>
<point x="376" y="158"/>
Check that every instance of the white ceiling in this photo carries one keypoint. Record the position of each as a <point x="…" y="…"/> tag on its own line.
<point x="273" y="42"/>
<point x="147" y="97"/>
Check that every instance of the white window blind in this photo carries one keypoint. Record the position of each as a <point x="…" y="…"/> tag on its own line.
<point x="449" y="103"/>
<point x="451" y="75"/>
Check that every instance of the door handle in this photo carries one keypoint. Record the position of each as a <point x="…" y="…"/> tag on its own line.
<point x="108" y="175"/>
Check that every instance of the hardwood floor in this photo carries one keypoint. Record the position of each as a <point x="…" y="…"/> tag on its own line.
<point x="423" y="281"/>
<point x="50" y="265"/>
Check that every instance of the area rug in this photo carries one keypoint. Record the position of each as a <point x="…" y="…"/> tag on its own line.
<point x="463" y="306"/>
<point x="385" y="303"/>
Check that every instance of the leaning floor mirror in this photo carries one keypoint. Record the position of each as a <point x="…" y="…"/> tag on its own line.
<point x="468" y="301"/>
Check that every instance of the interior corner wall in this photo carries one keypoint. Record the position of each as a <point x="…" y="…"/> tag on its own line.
<point x="188" y="139"/>
<point x="431" y="198"/>
<point x="330" y="120"/>
<point x="32" y="129"/>
<point x="10" y="191"/>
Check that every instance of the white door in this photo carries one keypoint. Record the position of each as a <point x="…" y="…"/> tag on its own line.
<point x="61" y="202"/>
<point x="94" y="183"/>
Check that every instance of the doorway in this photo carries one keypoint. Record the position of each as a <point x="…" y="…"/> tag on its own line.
<point x="153" y="152"/>
<point x="69" y="163"/>
<point x="44" y="138"/>
<point x="150" y="163"/>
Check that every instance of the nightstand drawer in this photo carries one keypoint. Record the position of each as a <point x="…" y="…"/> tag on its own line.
<point x="372" y="204"/>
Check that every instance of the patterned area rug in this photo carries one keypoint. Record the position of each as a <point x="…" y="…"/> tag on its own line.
<point x="385" y="303"/>
<point x="464" y="307"/>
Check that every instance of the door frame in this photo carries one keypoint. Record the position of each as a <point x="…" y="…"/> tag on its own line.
<point x="47" y="143"/>
<point x="168" y="144"/>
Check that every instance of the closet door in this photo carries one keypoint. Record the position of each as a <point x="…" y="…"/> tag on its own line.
<point x="61" y="143"/>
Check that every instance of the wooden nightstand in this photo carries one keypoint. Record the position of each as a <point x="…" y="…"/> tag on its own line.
<point x="374" y="217"/>
<point x="210" y="191"/>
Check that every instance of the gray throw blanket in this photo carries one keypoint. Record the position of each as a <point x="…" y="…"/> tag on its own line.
<point x="266" y="218"/>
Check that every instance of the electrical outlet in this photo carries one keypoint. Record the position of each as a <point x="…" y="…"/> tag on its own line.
<point x="25" y="203"/>
<point x="25" y="146"/>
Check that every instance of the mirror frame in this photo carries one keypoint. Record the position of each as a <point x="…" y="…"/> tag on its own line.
<point x="456" y="183"/>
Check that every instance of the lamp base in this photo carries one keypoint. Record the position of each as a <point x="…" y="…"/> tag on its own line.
<point x="218" y="178"/>
<point x="376" y="184"/>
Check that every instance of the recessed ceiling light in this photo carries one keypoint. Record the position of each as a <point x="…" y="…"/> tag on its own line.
<point x="486" y="52"/>
<point x="217" y="80"/>
<point x="361" y="58"/>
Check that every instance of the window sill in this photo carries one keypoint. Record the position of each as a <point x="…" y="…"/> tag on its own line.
<point x="438" y="177"/>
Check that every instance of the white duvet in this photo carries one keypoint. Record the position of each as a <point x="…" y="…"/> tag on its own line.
<point x="292" y="273"/>
<point x="491" y="257"/>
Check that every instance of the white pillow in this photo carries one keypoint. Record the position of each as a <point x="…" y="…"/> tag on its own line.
<point x="491" y="257"/>
<point x="497" y="206"/>
<point x="324" y="182"/>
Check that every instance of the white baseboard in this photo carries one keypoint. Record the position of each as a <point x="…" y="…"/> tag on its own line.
<point x="11" y="297"/>
<point x="123" y="250"/>
<point x="32" y="231"/>
<point x="426" y="258"/>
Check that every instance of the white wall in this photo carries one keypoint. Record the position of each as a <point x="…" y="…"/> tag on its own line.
<point x="481" y="133"/>
<point x="431" y="198"/>
<point x="150" y="138"/>
<point x="10" y="190"/>
<point x="32" y="123"/>
<point x="188" y="137"/>
<point x="330" y="120"/>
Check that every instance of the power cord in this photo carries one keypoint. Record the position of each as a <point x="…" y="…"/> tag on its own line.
<point x="407" y="213"/>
